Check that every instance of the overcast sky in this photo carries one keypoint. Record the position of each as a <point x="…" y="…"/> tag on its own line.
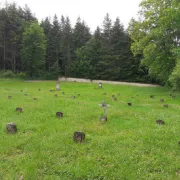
<point x="92" y="11"/>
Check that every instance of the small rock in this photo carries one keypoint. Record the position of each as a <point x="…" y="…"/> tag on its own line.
<point x="9" y="97"/>
<point x="19" y="109"/>
<point x="59" y="114"/>
<point x="161" y="100"/>
<point x="165" y="105"/>
<point x="79" y="137"/>
<point x="129" y="104"/>
<point x="11" y="128"/>
<point x="160" y="122"/>
<point x="103" y="119"/>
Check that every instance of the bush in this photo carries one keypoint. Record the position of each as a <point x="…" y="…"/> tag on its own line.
<point x="10" y="74"/>
<point x="175" y="78"/>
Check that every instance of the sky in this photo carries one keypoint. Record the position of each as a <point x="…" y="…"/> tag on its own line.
<point x="91" y="11"/>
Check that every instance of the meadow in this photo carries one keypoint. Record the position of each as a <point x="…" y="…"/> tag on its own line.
<point x="130" y="145"/>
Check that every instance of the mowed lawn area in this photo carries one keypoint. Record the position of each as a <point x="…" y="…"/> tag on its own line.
<point x="131" y="145"/>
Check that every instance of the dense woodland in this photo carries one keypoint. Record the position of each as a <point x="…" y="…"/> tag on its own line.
<point x="148" y="51"/>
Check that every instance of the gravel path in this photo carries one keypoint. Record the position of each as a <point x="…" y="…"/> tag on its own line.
<point x="97" y="81"/>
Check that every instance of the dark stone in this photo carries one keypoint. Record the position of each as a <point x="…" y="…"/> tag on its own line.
<point x="165" y="105"/>
<point x="11" y="128"/>
<point x="151" y="96"/>
<point x="19" y="110"/>
<point x="9" y="97"/>
<point x="161" y="100"/>
<point x="59" y="114"/>
<point x="103" y="119"/>
<point x="79" y="137"/>
<point x="129" y="104"/>
<point x="160" y="122"/>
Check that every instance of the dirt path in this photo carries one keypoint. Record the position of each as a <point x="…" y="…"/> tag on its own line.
<point x="97" y="81"/>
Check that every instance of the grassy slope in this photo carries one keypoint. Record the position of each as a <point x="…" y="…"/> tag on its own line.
<point x="130" y="146"/>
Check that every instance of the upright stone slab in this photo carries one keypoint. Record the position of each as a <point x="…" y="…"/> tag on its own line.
<point x="11" y="128"/>
<point x="79" y="137"/>
<point x="100" y="85"/>
<point x="57" y="86"/>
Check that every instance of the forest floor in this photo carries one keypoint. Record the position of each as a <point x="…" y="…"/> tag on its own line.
<point x="130" y="145"/>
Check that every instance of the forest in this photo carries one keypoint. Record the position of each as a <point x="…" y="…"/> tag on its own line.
<point x="147" y="51"/>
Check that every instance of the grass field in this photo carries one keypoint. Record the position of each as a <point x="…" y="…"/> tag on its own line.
<point x="129" y="146"/>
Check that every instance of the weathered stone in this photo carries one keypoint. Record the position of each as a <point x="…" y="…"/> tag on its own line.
<point x="11" y="128"/>
<point x="57" y="86"/>
<point x="161" y="100"/>
<point x="161" y="122"/>
<point x="103" y="119"/>
<point x="9" y="97"/>
<point x="100" y="85"/>
<point x="165" y="105"/>
<point x="19" y="109"/>
<point x="59" y="114"/>
<point x="79" y="137"/>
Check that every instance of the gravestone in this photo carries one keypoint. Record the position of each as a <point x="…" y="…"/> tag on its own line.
<point x="9" y="97"/>
<point x="79" y="137"/>
<point x="161" y="122"/>
<point x="18" y="109"/>
<point x="103" y="118"/>
<point x="57" y="86"/>
<point x="59" y="114"/>
<point x="100" y="85"/>
<point x="11" y="128"/>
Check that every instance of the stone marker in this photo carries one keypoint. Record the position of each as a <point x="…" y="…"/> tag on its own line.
<point x="57" y="86"/>
<point x="59" y="114"/>
<point x="165" y="105"/>
<point x="129" y="104"/>
<point x="103" y="119"/>
<point x="19" y="110"/>
<point x="100" y="85"/>
<point x="160" y="122"/>
<point x="79" y="137"/>
<point x="9" y="97"/>
<point x="161" y="100"/>
<point x="11" y="128"/>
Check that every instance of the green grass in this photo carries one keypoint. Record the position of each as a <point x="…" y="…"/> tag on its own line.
<point x="129" y="146"/>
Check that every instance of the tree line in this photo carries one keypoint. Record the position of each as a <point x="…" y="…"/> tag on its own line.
<point x="54" y="48"/>
<point x="148" y="51"/>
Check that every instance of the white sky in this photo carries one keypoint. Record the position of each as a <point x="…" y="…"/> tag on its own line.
<point x="92" y="11"/>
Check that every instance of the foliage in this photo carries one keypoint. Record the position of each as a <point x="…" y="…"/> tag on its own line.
<point x="33" y="50"/>
<point x="155" y="35"/>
